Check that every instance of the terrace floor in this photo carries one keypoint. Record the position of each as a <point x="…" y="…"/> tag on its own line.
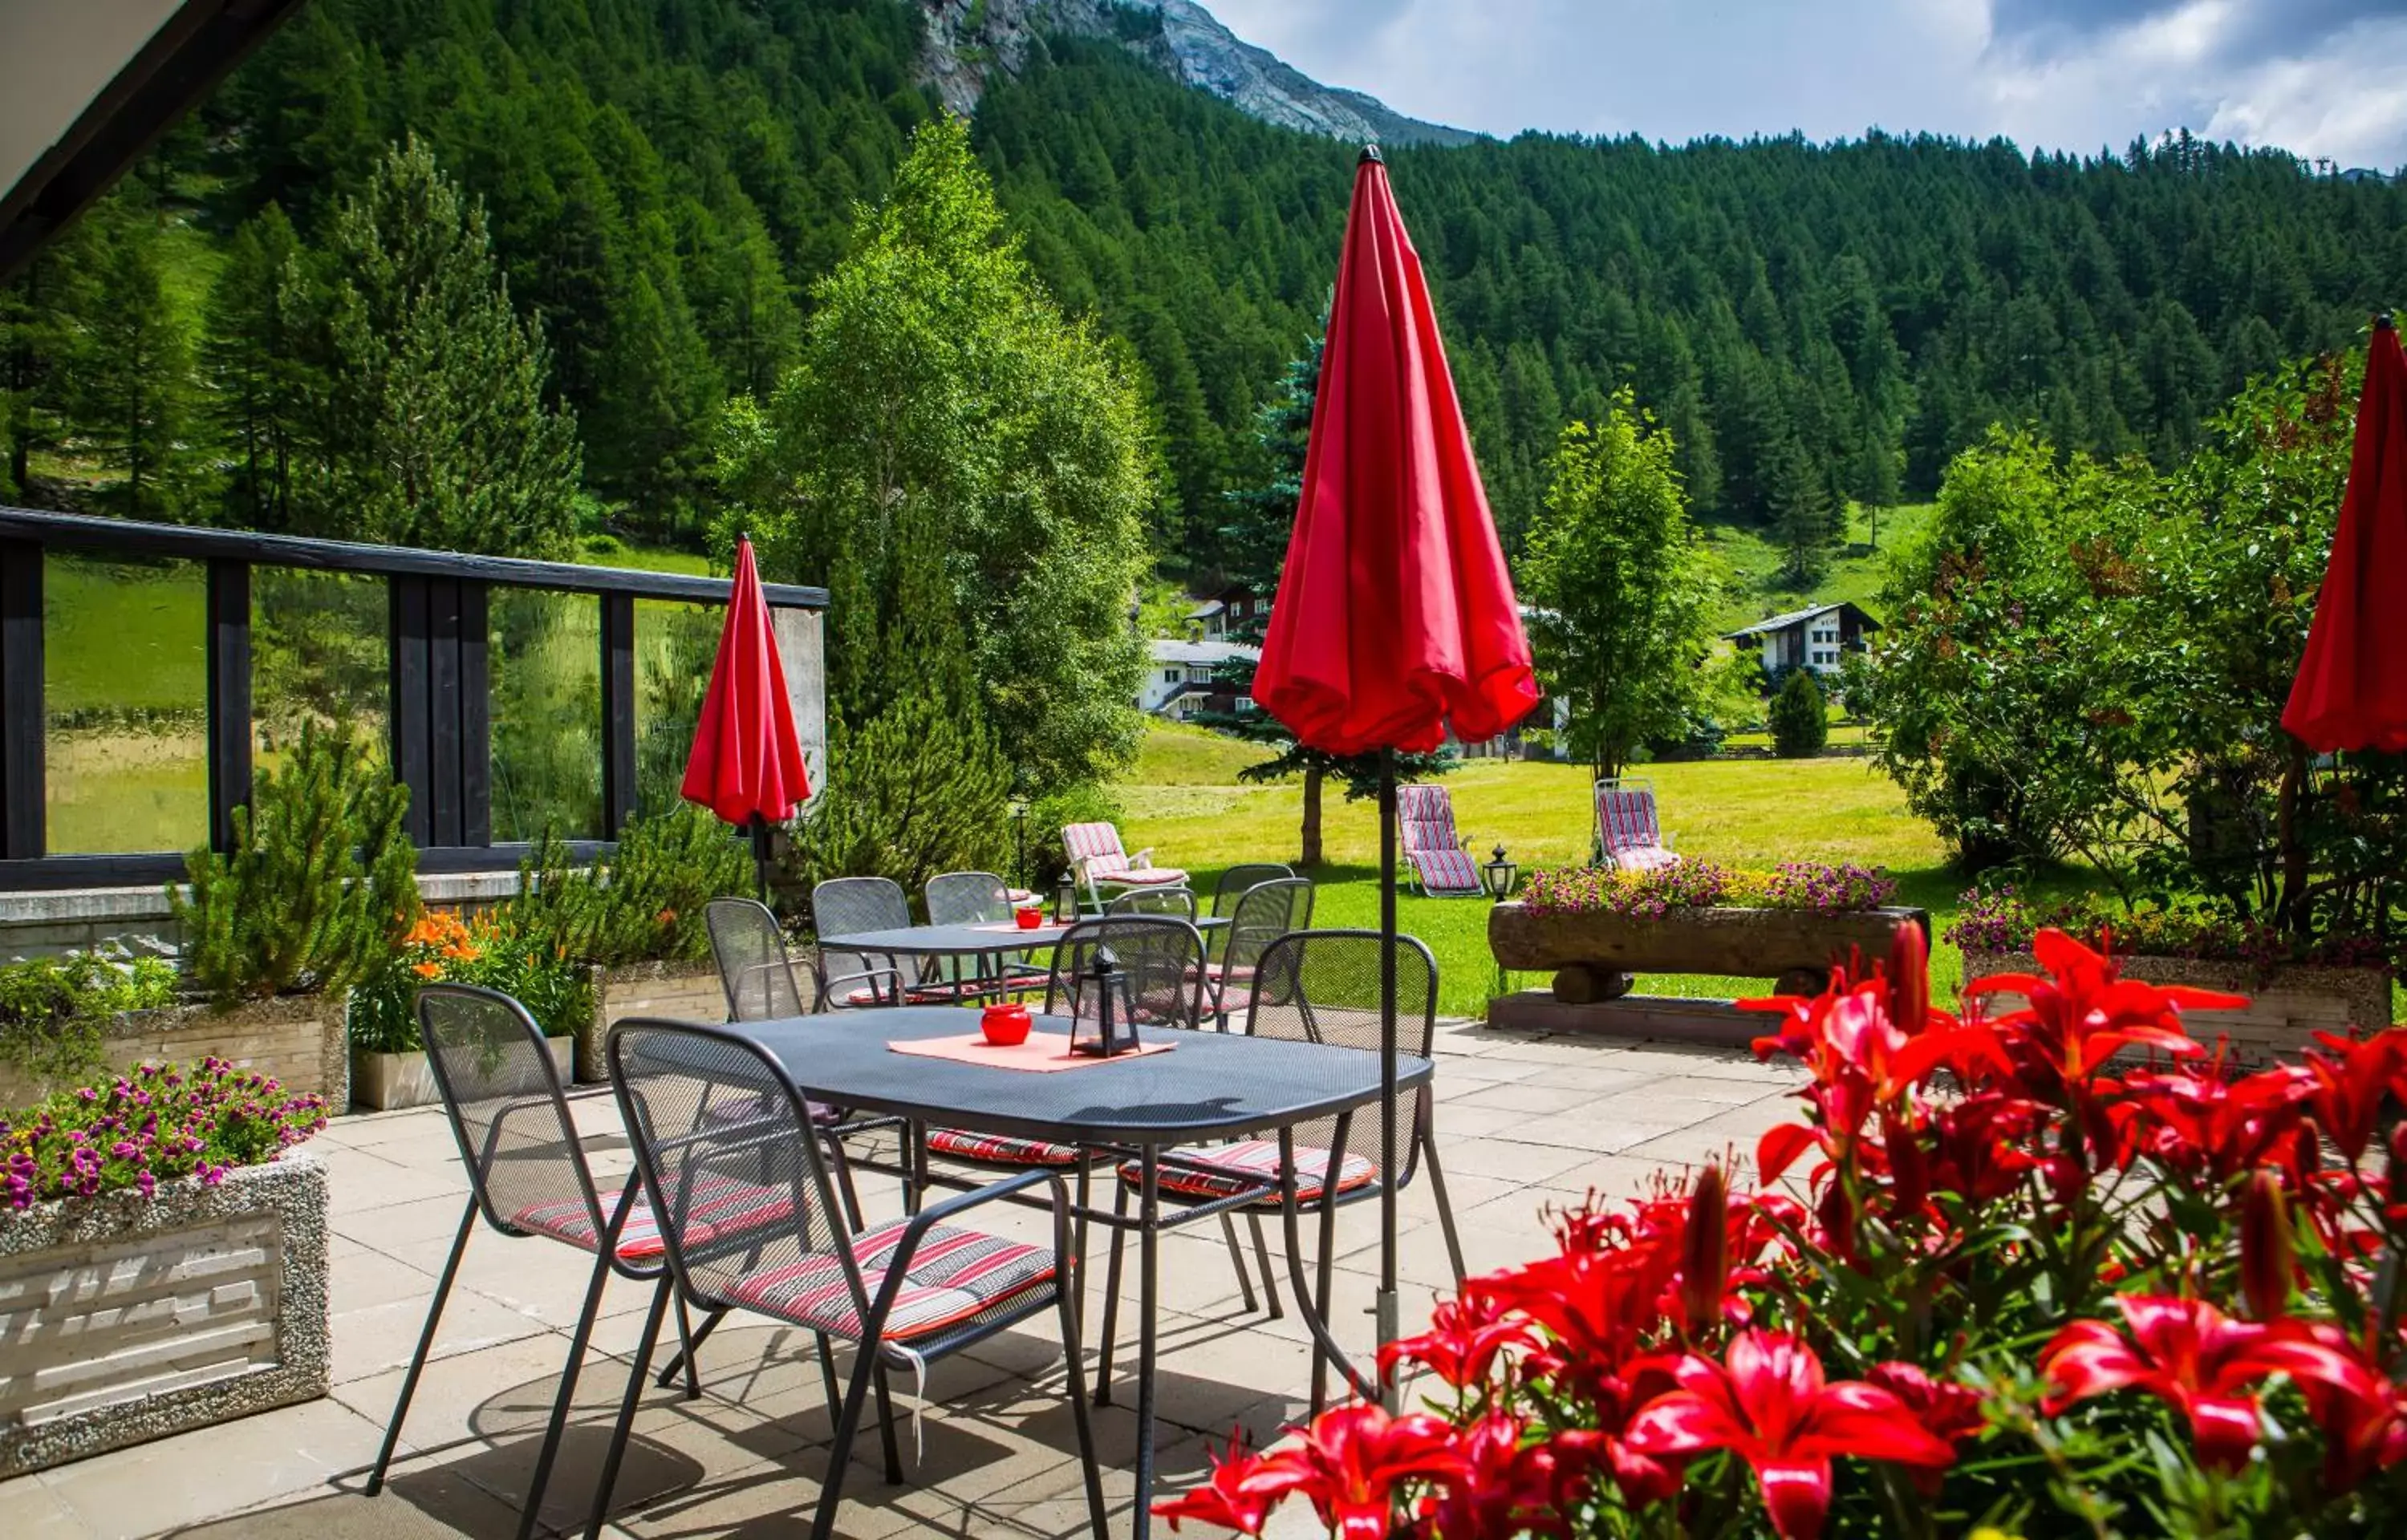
<point x="1525" y="1120"/>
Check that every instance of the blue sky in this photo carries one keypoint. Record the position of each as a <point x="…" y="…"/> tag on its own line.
<point x="2325" y="79"/>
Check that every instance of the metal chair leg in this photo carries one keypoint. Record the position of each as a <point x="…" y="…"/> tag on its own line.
<point x="1262" y="1255"/>
<point x="559" y="1403"/>
<point x="1112" y="1293"/>
<point x="847" y="1423"/>
<point x="627" y="1407"/>
<point x="1444" y="1209"/>
<point x="425" y="1343"/>
<point x="826" y="1376"/>
<point x="1065" y="1287"/>
<point x="1237" y="1260"/>
<point x="886" y="1427"/>
<point x="845" y="1192"/>
<point x="691" y="1345"/>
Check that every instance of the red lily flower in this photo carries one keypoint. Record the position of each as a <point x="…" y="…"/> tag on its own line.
<point x="2188" y="1354"/>
<point x="1227" y="1499"/>
<point x="1947" y="1410"/>
<point x="1767" y="1403"/>
<point x="1351" y="1462"/>
<point x="2360" y="1411"/>
<point x="1508" y="1487"/>
<point x="2199" y="1123"/>
<point x="2085" y="1013"/>
<point x="1464" y="1337"/>
<point x="2267" y="1269"/>
<point x="1704" y="1252"/>
<point x="2352" y="1076"/>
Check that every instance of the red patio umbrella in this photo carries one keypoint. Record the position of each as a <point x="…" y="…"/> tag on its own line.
<point x="2351" y="692"/>
<point x="747" y="764"/>
<point x="1395" y="615"/>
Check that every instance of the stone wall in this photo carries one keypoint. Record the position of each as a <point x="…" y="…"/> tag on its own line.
<point x="125" y="1319"/>
<point x="681" y="992"/>
<point x="299" y="1039"/>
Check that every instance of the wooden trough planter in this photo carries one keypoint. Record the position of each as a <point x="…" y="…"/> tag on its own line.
<point x="1595" y="956"/>
<point x="2286" y="1004"/>
<point x="125" y="1319"/>
<point x="682" y="992"/>
<point x="297" y="1039"/>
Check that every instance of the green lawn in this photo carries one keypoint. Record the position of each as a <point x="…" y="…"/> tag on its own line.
<point x="1183" y="800"/>
<point x="1756" y="589"/>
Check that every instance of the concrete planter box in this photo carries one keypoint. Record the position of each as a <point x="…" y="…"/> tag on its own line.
<point x="1595" y="956"/>
<point x="125" y="1319"/>
<point x="389" y="1081"/>
<point x="681" y="992"/>
<point x="2287" y="1004"/>
<point x="297" y="1039"/>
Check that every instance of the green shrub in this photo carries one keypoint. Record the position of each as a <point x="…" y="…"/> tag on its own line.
<point x="645" y="904"/>
<point x="491" y="951"/>
<point x="51" y="1008"/>
<point x="1801" y="718"/>
<point x="320" y="886"/>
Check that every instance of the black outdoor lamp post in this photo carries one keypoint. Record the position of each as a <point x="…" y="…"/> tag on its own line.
<point x="1019" y="843"/>
<point x="1501" y="875"/>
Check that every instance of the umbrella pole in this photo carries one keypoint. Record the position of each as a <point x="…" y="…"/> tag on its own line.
<point x="1385" y="1309"/>
<point x="759" y="829"/>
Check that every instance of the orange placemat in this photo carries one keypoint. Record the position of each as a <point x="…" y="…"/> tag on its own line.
<point x="1043" y="1053"/>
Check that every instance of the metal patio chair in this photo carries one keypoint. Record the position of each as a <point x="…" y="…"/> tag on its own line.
<point x="848" y="906"/>
<point x="1267" y="911"/>
<point x="1628" y="832"/>
<point x="981" y="898"/>
<point x="1177" y="903"/>
<point x="1101" y="861"/>
<point x="1318" y="986"/>
<point x="905" y="1293"/>
<point x="528" y="1176"/>
<point x="1234" y="882"/>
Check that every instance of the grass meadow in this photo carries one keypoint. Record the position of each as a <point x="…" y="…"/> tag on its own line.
<point x="1183" y="798"/>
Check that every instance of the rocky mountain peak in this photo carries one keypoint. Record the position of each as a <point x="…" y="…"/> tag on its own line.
<point x="969" y="39"/>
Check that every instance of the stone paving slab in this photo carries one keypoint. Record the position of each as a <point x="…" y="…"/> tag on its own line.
<point x="1527" y="1123"/>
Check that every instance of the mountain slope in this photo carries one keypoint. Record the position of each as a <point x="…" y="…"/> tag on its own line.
<point x="967" y="40"/>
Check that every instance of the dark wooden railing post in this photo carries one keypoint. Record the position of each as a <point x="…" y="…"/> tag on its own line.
<point x="21" y="725"/>
<point x="229" y="696"/>
<point x="409" y="715"/>
<point x="442" y="708"/>
<point x="618" y="712"/>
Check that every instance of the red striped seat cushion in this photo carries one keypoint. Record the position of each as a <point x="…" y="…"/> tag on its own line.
<point x="1143" y="877"/>
<point x="1446" y="872"/>
<point x="954" y="1275"/>
<point x="722" y="1207"/>
<point x="1229" y="1169"/>
<point x="1644" y="857"/>
<point x="999" y="1148"/>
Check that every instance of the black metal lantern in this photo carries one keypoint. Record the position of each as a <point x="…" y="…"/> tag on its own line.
<point x="1110" y="1027"/>
<point x="1500" y="874"/>
<point x="1065" y="900"/>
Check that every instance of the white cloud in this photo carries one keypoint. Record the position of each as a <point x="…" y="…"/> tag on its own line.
<point x="2320" y="78"/>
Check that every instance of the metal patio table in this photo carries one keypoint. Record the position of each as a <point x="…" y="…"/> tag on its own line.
<point x="1212" y="1086"/>
<point x="988" y="939"/>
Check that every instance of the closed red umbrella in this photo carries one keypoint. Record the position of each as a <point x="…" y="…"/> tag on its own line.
<point x="2351" y="692"/>
<point x="1395" y="614"/>
<point x="747" y="764"/>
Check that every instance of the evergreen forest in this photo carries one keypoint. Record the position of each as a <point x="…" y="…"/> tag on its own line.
<point x="661" y="182"/>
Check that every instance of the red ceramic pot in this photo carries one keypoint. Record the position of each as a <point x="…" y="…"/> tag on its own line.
<point x="1028" y="917"/>
<point x="1006" y="1026"/>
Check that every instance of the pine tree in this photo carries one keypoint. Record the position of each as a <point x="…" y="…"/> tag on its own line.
<point x="1806" y="520"/>
<point x="260" y="360"/>
<point x="37" y="342"/>
<point x="1801" y="718"/>
<point x="132" y="390"/>
<point x="445" y="438"/>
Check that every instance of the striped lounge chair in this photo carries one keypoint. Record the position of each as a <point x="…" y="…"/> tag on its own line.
<point x="1627" y="833"/>
<point x="1441" y="868"/>
<point x="1096" y="854"/>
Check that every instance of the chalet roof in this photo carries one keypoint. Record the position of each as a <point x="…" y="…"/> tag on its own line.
<point x="1212" y="653"/>
<point x="1799" y="617"/>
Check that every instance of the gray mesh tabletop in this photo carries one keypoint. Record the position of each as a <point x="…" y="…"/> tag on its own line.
<point x="1213" y="1085"/>
<point x="962" y="941"/>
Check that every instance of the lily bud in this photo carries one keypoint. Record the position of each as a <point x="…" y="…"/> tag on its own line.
<point x="2265" y="1257"/>
<point x="1909" y="979"/>
<point x="1704" y="1252"/>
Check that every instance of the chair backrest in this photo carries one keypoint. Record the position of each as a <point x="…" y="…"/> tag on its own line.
<point x="1176" y="902"/>
<point x="1322" y="986"/>
<point x="729" y="1163"/>
<point x="1625" y="815"/>
<point x="1425" y="820"/>
<point x="1094" y="849"/>
<point x="753" y="967"/>
<point x="1161" y="970"/>
<point x="968" y="898"/>
<point x="1235" y="882"/>
<point x="502" y="1095"/>
<point x="1267" y="911"/>
<point x="846" y="906"/>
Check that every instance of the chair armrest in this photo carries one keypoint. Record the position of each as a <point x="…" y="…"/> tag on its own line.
<point x="828" y="983"/>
